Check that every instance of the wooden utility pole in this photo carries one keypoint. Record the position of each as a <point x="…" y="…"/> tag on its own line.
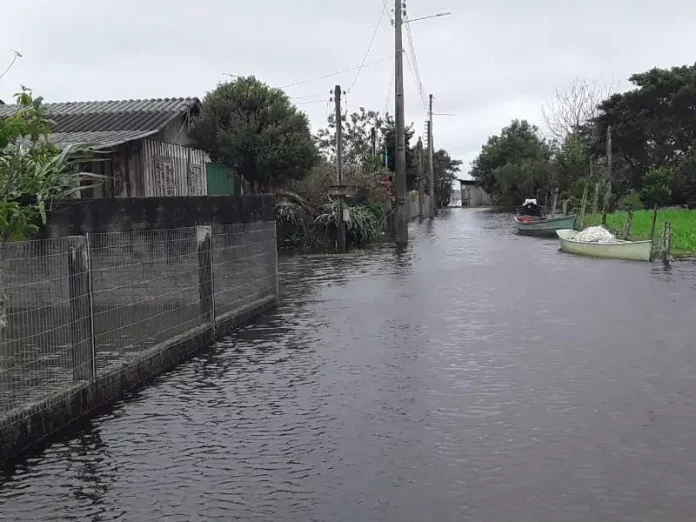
<point x="400" y="160"/>
<point x="340" y="225"/>
<point x="421" y="180"/>
<point x="609" y="158"/>
<point x="610" y="176"/>
<point x="431" y="167"/>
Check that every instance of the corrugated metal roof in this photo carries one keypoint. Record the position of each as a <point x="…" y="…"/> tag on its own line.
<point x="112" y="122"/>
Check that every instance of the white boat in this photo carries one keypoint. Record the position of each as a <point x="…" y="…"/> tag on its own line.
<point x="636" y="250"/>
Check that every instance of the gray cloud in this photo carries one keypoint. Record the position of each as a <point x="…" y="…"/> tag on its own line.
<point x="489" y="62"/>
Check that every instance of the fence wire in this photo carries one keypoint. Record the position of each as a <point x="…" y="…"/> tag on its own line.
<point x="35" y="322"/>
<point x="244" y="265"/>
<point x="73" y="308"/>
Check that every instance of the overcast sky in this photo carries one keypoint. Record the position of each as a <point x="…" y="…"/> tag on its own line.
<point x="488" y="62"/>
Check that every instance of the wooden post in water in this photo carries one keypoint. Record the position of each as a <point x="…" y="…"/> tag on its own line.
<point x="583" y="204"/>
<point x="605" y="206"/>
<point x="555" y="202"/>
<point x="595" y="200"/>
<point x="81" y="323"/>
<point x="627" y="225"/>
<point x="667" y="254"/>
<point x="654" y="222"/>
<point x="652" y="233"/>
<point x="205" y="273"/>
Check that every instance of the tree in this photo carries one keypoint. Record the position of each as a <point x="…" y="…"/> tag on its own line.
<point x="357" y="139"/>
<point x="256" y="130"/>
<point x="445" y="171"/>
<point x="514" y="164"/>
<point x="653" y="125"/>
<point x="573" y="107"/>
<point x="34" y="174"/>
<point x="656" y="189"/>
<point x="389" y="145"/>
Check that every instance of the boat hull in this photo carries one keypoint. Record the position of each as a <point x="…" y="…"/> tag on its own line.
<point x="545" y="227"/>
<point x="633" y="250"/>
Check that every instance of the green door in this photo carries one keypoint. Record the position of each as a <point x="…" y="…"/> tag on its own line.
<point x="220" y="180"/>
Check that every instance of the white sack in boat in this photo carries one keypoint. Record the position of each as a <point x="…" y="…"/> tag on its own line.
<point x="596" y="235"/>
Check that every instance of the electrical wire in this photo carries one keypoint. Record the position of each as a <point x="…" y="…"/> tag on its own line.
<point x="389" y="91"/>
<point x="14" y="59"/>
<point x="414" y="59"/>
<point x="369" y="47"/>
<point x="309" y="102"/>
<point x="335" y="73"/>
<point x="415" y="81"/>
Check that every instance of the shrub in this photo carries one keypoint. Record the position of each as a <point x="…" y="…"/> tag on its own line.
<point x="631" y="201"/>
<point x="656" y="191"/>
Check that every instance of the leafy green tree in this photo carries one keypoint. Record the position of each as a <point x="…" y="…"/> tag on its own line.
<point x="256" y="130"/>
<point x="445" y="170"/>
<point x="514" y="164"/>
<point x="653" y="125"/>
<point x="656" y="189"/>
<point x="683" y="184"/>
<point x="571" y="162"/>
<point x="389" y="145"/>
<point x="357" y="129"/>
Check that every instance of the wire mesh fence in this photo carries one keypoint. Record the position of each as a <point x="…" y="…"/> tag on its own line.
<point x="244" y="265"/>
<point x="78" y="307"/>
<point x="145" y="290"/>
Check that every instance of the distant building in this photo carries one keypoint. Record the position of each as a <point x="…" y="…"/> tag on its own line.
<point x="472" y="195"/>
<point x="149" y="151"/>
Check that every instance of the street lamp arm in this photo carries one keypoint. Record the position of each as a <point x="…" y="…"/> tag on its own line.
<point x="445" y="13"/>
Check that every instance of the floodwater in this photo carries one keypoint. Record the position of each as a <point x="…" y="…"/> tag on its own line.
<point x="478" y="376"/>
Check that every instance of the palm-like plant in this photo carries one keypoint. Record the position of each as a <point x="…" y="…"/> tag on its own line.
<point x="33" y="174"/>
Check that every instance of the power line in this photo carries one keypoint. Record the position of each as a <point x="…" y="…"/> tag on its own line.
<point x="414" y="58"/>
<point x="305" y="96"/>
<point x="16" y="55"/>
<point x="369" y="47"/>
<point x="389" y="91"/>
<point x="335" y="73"/>
<point x="415" y="81"/>
<point x="309" y="102"/>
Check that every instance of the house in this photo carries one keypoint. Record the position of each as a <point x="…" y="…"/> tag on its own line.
<point x="147" y="145"/>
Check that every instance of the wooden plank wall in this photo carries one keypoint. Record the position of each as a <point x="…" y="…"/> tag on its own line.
<point x="171" y="170"/>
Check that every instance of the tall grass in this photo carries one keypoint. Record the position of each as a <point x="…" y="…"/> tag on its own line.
<point x="683" y="226"/>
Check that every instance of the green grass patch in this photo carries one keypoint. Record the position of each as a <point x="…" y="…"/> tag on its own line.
<point x="683" y="227"/>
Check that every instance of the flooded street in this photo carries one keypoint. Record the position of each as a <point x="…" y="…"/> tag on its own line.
<point x="478" y="376"/>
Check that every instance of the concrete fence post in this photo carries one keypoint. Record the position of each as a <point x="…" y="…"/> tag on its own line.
<point x="275" y="261"/>
<point x="81" y="315"/>
<point x="205" y="273"/>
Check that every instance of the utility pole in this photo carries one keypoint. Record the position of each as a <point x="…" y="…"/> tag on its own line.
<point x="340" y="225"/>
<point x="421" y="179"/>
<point x="400" y="160"/>
<point x="373" y="140"/>
<point x="609" y="173"/>
<point x="431" y="169"/>
<point x="607" y="195"/>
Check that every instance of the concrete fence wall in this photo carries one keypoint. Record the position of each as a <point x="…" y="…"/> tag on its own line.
<point x="90" y="316"/>
<point x="414" y="208"/>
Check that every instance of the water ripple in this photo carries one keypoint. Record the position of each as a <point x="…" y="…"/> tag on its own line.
<point x="478" y="376"/>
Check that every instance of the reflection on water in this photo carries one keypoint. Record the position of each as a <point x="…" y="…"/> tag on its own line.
<point x="477" y="376"/>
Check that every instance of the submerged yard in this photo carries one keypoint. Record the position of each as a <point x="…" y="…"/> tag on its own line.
<point x="683" y="226"/>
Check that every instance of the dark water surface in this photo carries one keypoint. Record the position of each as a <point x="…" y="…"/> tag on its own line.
<point x="479" y="376"/>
